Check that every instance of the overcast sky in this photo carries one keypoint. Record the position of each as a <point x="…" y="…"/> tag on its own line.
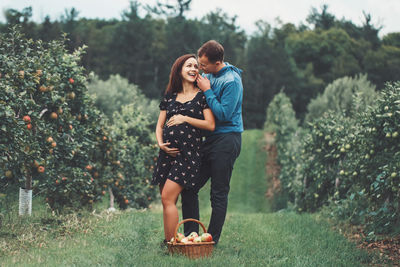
<point x="384" y="13"/>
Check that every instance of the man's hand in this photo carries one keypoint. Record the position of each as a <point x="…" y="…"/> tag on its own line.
<point x="203" y="83"/>
<point x="176" y="119"/>
<point x="170" y="151"/>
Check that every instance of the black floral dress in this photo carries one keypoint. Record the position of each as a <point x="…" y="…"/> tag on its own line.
<point x="185" y="167"/>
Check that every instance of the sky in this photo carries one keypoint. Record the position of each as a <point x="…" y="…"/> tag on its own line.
<point x="385" y="13"/>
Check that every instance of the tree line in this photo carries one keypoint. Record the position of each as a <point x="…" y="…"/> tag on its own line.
<point x="299" y="59"/>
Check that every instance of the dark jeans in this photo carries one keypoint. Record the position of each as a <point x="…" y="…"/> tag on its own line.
<point x="219" y="155"/>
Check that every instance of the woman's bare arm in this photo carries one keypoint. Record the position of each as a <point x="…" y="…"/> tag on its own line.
<point x="159" y="135"/>
<point x="207" y="124"/>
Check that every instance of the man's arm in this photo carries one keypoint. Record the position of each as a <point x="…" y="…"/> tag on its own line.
<point x="224" y="108"/>
<point x="230" y="97"/>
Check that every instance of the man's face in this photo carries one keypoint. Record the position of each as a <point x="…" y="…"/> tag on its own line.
<point x="206" y="66"/>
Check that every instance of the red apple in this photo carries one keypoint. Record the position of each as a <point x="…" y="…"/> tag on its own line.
<point x="40" y="169"/>
<point x="53" y="115"/>
<point x="179" y="237"/>
<point x="26" y="118"/>
<point x="206" y="237"/>
<point x="71" y="81"/>
<point x="192" y="236"/>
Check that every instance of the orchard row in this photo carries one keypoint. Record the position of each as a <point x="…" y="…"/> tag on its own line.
<point x="56" y="141"/>
<point x="350" y="163"/>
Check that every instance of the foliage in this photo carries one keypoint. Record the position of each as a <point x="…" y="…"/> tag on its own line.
<point x="266" y="62"/>
<point x="338" y="97"/>
<point x="136" y="151"/>
<point x="111" y="95"/>
<point x="282" y="121"/>
<point x="392" y="39"/>
<point x="302" y="59"/>
<point x="51" y="133"/>
<point x="133" y="237"/>
<point x="351" y="163"/>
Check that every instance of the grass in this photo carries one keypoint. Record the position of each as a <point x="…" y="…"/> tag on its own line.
<point x="251" y="237"/>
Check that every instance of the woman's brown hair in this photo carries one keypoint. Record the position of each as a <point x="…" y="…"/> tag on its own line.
<point x="175" y="77"/>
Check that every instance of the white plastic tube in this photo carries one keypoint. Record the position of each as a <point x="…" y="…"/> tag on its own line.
<point x="25" y="202"/>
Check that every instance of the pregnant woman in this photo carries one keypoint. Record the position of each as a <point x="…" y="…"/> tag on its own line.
<point x="184" y="115"/>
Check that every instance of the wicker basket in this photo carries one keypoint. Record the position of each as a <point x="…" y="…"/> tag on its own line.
<point x="191" y="250"/>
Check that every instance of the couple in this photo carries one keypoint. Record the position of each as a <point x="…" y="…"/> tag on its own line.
<point x="195" y="106"/>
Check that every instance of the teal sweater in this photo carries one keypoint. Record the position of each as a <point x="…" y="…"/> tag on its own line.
<point x="225" y="99"/>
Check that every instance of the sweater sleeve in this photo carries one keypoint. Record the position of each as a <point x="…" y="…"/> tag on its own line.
<point x="224" y="108"/>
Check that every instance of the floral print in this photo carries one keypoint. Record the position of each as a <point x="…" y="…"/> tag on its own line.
<point x="185" y="167"/>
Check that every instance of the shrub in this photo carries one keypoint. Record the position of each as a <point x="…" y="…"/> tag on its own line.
<point x="351" y="163"/>
<point x="51" y="132"/>
<point x="338" y="97"/>
<point x="136" y="151"/>
<point x="111" y="95"/>
<point x="282" y="121"/>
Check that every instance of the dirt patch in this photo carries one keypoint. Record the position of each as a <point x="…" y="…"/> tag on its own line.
<point x="272" y="168"/>
<point x="387" y="248"/>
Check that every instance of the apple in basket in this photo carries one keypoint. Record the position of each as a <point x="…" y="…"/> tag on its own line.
<point x="192" y="236"/>
<point x="197" y="239"/>
<point x="179" y="237"/>
<point x="206" y="237"/>
<point x="185" y="240"/>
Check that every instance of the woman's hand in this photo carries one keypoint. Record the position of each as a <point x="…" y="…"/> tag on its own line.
<point x="176" y="120"/>
<point x="170" y="151"/>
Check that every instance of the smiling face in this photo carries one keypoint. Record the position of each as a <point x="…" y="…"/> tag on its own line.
<point x="190" y="70"/>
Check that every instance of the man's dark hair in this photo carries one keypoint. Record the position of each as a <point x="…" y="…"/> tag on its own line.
<point x="213" y="50"/>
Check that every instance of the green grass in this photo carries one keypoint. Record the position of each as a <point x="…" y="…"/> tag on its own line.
<point x="258" y="239"/>
<point x="251" y="236"/>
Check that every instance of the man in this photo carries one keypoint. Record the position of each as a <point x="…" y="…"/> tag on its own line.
<point x="222" y="86"/>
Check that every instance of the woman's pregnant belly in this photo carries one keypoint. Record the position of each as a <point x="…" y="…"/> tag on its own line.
<point x="172" y="135"/>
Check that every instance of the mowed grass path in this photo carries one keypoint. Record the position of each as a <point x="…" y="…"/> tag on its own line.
<point x="251" y="236"/>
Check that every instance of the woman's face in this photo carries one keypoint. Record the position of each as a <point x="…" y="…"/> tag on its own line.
<point x="190" y="70"/>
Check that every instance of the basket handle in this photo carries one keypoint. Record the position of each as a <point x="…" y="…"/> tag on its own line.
<point x="187" y="220"/>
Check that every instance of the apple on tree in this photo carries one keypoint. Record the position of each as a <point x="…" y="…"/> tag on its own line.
<point x="26" y="118"/>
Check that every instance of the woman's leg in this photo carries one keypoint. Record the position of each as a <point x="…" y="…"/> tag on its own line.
<point x="169" y="196"/>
